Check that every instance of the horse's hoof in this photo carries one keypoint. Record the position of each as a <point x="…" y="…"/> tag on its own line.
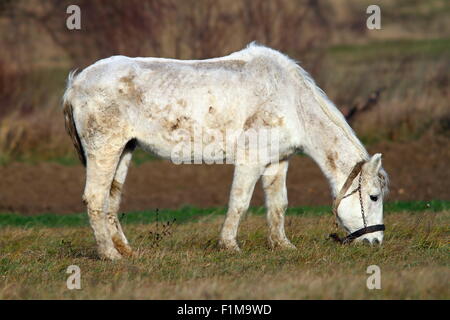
<point x="283" y="245"/>
<point x="231" y="246"/>
<point x="110" y="254"/>
<point x="288" y="246"/>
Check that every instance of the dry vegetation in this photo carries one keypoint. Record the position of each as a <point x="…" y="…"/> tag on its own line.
<point x="407" y="61"/>
<point x="186" y="263"/>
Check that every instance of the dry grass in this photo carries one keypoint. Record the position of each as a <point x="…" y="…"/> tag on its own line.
<point x="187" y="265"/>
<point x="413" y="77"/>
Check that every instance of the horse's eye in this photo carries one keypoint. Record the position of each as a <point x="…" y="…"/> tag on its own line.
<point x="374" y="198"/>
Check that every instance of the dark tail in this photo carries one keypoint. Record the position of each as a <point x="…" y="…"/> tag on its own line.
<point x="70" y="123"/>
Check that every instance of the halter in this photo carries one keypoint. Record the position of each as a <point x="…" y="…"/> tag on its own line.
<point x="341" y="195"/>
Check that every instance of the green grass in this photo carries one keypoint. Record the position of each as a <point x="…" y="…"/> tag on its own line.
<point x="70" y="159"/>
<point x="189" y="214"/>
<point x="391" y="50"/>
<point x="140" y="157"/>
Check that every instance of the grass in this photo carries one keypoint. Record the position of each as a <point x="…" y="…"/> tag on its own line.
<point x="187" y="264"/>
<point x="189" y="214"/>
<point x="71" y="158"/>
<point x="391" y="49"/>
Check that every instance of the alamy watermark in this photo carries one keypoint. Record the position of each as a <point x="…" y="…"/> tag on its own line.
<point x="74" y="280"/>
<point x="73" y="21"/>
<point x="374" y="20"/>
<point x="374" y="280"/>
<point x="248" y="147"/>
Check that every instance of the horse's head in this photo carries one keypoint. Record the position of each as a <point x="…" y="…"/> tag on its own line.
<point x="359" y="205"/>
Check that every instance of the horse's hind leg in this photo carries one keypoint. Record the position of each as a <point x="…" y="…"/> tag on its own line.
<point x="274" y="185"/>
<point x="100" y="169"/>
<point x="244" y="180"/>
<point x="115" y="229"/>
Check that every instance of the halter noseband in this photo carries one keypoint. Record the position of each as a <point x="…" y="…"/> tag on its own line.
<point x="341" y="195"/>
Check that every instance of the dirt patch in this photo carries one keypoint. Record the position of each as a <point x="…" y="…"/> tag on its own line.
<point x="418" y="171"/>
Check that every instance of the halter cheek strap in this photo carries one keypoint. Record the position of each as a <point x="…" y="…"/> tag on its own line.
<point x="341" y="195"/>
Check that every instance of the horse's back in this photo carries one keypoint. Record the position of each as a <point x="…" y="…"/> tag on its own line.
<point x="161" y="102"/>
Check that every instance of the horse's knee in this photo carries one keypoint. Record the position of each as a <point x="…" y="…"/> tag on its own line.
<point x="275" y="214"/>
<point x="94" y="201"/>
<point x="277" y="206"/>
<point x="240" y="209"/>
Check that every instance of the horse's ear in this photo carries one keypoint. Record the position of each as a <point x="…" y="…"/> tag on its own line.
<point x="375" y="163"/>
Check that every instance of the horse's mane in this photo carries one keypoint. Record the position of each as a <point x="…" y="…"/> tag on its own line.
<point x="300" y="75"/>
<point x="329" y="109"/>
<point x="338" y="119"/>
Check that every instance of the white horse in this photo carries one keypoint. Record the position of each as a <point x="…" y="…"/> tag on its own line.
<point x="157" y="104"/>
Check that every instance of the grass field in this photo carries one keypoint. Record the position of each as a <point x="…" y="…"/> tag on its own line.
<point x="185" y="263"/>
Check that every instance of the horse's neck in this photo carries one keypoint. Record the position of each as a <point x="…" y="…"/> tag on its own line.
<point x="332" y="150"/>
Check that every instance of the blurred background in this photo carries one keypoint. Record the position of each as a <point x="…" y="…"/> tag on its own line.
<point x="391" y="84"/>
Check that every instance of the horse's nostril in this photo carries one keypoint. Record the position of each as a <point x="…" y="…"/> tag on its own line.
<point x="366" y="241"/>
<point x="376" y="241"/>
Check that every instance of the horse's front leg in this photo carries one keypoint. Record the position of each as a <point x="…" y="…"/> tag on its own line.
<point x="244" y="180"/>
<point x="274" y="185"/>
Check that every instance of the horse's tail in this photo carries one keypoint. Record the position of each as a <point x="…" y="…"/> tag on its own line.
<point x="69" y="120"/>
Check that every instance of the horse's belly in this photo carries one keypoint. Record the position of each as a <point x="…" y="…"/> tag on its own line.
<point x="191" y="142"/>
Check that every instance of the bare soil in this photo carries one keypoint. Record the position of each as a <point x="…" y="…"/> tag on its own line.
<point x="418" y="170"/>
